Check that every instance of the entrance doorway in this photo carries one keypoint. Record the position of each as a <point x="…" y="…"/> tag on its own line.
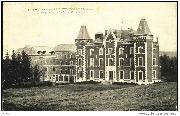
<point x="110" y="75"/>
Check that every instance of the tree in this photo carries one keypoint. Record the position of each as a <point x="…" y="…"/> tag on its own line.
<point x="6" y="72"/>
<point x="36" y="74"/>
<point x="25" y="68"/>
<point x="168" y="68"/>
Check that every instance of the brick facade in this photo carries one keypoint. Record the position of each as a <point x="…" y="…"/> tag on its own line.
<point x="116" y="56"/>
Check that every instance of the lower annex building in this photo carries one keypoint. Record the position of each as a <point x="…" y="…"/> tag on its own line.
<point x="116" y="56"/>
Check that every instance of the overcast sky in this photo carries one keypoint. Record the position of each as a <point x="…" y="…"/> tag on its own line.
<point x="28" y="24"/>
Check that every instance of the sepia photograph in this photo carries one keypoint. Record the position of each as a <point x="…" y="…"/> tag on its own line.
<point x="89" y="56"/>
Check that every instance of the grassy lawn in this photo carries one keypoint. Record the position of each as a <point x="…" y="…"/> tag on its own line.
<point x="98" y="97"/>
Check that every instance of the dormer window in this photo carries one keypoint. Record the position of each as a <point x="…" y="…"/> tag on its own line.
<point x="39" y="52"/>
<point x="44" y="52"/>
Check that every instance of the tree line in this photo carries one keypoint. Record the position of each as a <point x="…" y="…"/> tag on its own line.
<point x="17" y="71"/>
<point x="168" y="68"/>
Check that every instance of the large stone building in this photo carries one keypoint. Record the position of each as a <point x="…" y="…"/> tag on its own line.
<point x="116" y="56"/>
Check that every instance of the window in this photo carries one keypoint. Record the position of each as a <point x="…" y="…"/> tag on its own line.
<point x="140" y="75"/>
<point x="101" y="74"/>
<point x="121" y="61"/>
<point x="65" y="78"/>
<point x="71" y="62"/>
<point x="45" y="68"/>
<point x="65" y="56"/>
<point x="154" y="74"/>
<point x="154" y="61"/>
<point x="91" y="51"/>
<point x="66" y="71"/>
<point x="61" y="63"/>
<point x="131" y="61"/>
<point x="101" y="51"/>
<point x="54" y="68"/>
<point x="132" y="74"/>
<point x="80" y="73"/>
<point x="71" y="71"/>
<point x="80" y="61"/>
<point x="121" y="74"/>
<point x="110" y="50"/>
<point x="91" y="61"/>
<point x="131" y="50"/>
<point x="79" y="52"/>
<point x="91" y="73"/>
<point x="71" y="56"/>
<point x="111" y="63"/>
<point x="66" y="62"/>
<point x="121" y="51"/>
<point x="140" y="49"/>
<point x="61" y="71"/>
<point x="56" y="77"/>
<point x="140" y="61"/>
<point x="100" y="62"/>
<point x="60" y="78"/>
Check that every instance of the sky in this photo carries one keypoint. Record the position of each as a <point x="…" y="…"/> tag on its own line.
<point x="50" y="24"/>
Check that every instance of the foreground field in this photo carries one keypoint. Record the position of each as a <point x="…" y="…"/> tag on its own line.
<point x="156" y="97"/>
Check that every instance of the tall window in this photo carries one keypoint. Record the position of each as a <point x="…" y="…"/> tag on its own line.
<point x="80" y="73"/>
<point x="65" y="56"/>
<point x="140" y="75"/>
<point x="91" y="61"/>
<point x="154" y="61"/>
<point x="101" y="74"/>
<point x="61" y="71"/>
<point x="71" y="62"/>
<point x="60" y="78"/>
<point x="66" y="71"/>
<point x="121" y="61"/>
<point x="56" y="77"/>
<point x="121" y="51"/>
<point x="101" y="51"/>
<point x="66" y="62"/>
<point x="54" y="68"/>
<point x="140" y="61"/>
<point x="121" y="74"/>
<point x="91" y="73"/>
<point x="111" y="63"/>
<point x="154" y="73"/>
<point x="132" y="74"/>
<point x="61" y="63"/>
<point x="80" y="61"/>
<point x="140" y="49"/>
<point x="45" y="68"/>
<point x="79" y="52"/>
<point x="71" y="71"/>
<point x="71" y="56"/>
<point x="131" y="50"/>
<point x="91" y="51"/>
<point x="100" y="61"/>
<point x="110" y="51"/>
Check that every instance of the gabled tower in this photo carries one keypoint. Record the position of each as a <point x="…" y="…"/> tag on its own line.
<point x="146" y="55"/>
<point x="81" y="41"/>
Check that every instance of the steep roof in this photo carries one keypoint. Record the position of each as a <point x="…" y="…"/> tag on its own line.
<point x="143" y="28"/>
<point x="43" y="48"/>
<point x="98" y="40"/>
<point x="34" y="49"/>
<point x="65" y="47"/>
<point x="83" y="33"/>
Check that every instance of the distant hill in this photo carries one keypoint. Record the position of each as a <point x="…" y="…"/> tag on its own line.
<point x="168" y="53"/>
